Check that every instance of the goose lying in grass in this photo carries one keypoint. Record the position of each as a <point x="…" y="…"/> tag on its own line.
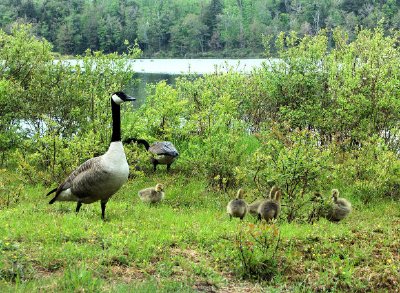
<point x="269" y="209"/>
<point x="163" y="152"/>
<point x="237" y="207"/>
<point x="152" y="194"/>
<point x="340" y="208"/>
<point x="100" y="177"/>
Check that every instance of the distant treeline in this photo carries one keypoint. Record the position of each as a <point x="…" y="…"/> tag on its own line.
<point x="188" y="28"/>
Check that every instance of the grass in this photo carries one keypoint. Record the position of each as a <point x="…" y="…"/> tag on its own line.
<point x="187" y="243"/>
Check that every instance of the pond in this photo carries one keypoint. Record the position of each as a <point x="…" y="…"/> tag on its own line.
<point x="155" y="70"/>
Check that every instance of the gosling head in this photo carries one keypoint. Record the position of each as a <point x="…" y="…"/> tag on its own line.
<point x="120" y="97"/>
<point x="272" y="191"/>
<point x="159" y="187"/>
<point x="240" y="193"/>
<point x="335" y="195"/>
<point x="278" y="195"/>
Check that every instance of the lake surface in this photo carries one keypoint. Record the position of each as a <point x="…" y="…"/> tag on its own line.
<point x="155" y="70"/>
<point x="195" y="66"/>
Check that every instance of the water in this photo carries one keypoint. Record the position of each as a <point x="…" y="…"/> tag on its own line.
<point x="156" y="70"/>
<point x="138" y="89"/>
<point x="195" y="66"/>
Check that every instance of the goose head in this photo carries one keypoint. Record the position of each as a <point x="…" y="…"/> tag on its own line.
<point x="121" y="97"/>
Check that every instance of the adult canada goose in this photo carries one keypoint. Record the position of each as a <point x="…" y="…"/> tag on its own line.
<point x="340" y="208"/>
<point x="237" y="207"/>
<point x="253" y="207"/>
<point x="163" y="152"/>
<point x="100" y="177"/>
<point x="270" y="208"/>
<point x="152" y="194"/>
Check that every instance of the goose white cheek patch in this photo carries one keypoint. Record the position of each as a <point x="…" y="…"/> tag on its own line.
<point x="117" y="99"/>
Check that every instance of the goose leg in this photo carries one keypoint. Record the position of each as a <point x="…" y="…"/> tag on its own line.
<point x="155" y="165"/>
<point x="103" y="209"/>
<point x="78" y="207"/>
<point x="168" y="167"/>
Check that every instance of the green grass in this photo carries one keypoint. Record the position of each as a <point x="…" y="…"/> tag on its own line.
<point x="186" y="243"/>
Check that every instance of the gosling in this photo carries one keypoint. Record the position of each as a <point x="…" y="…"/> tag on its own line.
<point x="253" y="207"/>
<point x="340" y="208"/>
<point x="269" y="209"/>
<point x="237" y="207"/>
<point x="152" y="194"/>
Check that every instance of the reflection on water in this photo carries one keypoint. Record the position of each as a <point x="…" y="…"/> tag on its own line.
<point x="137" y="88"/>
<point x="155" y="70"/>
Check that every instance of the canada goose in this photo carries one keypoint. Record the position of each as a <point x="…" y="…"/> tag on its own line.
<point x="270" y="208"/>
<point x="100" y="177"/>
<point x="163" y="152"/>
<point x="237" y="207"/>
<point x="152" y="194"/>
<point x="340" y="208"/>
<point x="253" y="207"/>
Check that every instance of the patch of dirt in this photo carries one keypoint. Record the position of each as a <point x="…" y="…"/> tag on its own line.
<point x="127" y="274"/>
<point x="190" y="254"/>
<point x="237" y="286"/>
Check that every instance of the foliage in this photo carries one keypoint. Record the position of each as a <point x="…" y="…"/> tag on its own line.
<point x="187" y="28"/>
<point x="11" y="190"/>
<point x="258" y="251"/>
<point x="294" y="161"/>
<point x="62" y="107"/>
<point x="372" y="171"/>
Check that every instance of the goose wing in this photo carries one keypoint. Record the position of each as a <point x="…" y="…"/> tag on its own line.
<point x="82" y="178"/>
<point x="164" y="148"/>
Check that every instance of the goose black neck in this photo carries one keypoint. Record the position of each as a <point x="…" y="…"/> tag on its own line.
<point x="116" y="121"/>
<point x="138" y="141"/>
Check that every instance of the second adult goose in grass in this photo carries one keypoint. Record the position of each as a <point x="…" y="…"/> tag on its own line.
<point x="163" y="152"/>
<point x="237" y="207"/>
<point x="100" y="177"/>
<point x="152" y="194"/>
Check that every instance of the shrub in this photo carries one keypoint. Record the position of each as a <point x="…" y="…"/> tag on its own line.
<point x="296" y="162"/>
<point x="372" y="171"/>
<point x="258" y="251"/>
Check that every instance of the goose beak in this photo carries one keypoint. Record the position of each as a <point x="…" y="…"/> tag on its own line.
<point x="129" y="98"/>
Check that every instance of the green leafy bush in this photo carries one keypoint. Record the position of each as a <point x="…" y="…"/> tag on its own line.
<point x="258" y="251"/>
<point x="296" y="162"/>
<point x="372" y="171"/>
